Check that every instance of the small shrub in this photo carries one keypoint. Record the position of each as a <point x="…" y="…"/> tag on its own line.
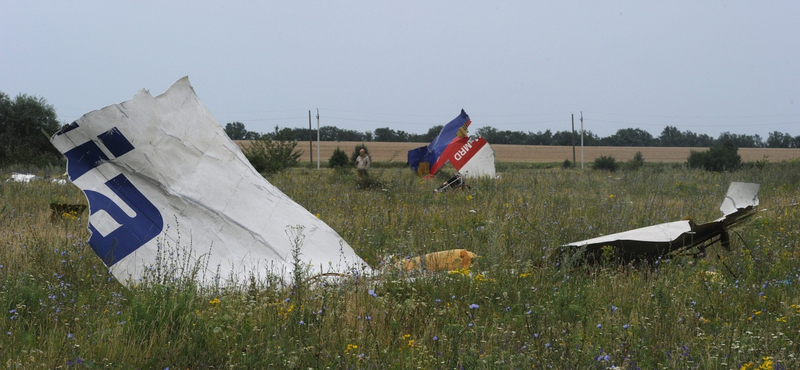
<point x="637" y="161"/>
<point x="268" y="156"/>
<point x="606" y="163"/>
<point x="567" y="164"/>
<point x="338" y="159"/>
<point x="762" y="163"/>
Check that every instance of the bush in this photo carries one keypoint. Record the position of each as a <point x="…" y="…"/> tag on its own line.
<point x="636" y="162"/>
<point x="606" y="163"/>
<point x="269" y="156"/>
<point x="567" y="164"/>
<point x="338" y="159"/>
<point x="721" y="156"/>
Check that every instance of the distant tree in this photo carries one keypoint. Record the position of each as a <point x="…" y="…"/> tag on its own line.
<point x="780" y="140"/>
<point x="540" y="138"/>
<point x="564" y="138"/>
<point x="695" y="140"/>
<point x="386" y="134"/>
<point x="236" y="131"/>
<point x="671" y="137"/>
<point x="630" y="137"/>
<point x="26" y="124"/>
<point x="332" y="133"/>
<point x="742" y="141"/>
<point x="489" y="133"/>
<point x="432" y="133"/>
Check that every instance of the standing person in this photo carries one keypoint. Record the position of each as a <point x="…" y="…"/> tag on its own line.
<point x="362" y="163"/>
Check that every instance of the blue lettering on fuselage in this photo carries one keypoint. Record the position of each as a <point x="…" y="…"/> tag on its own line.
<point x="133" y="232"/>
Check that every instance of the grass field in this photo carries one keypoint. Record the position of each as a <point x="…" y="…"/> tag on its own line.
<point x="398" y="152"/>
<point x="522" y="305"/>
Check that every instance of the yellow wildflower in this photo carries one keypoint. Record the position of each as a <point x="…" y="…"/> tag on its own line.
<point x="766" y="365"/>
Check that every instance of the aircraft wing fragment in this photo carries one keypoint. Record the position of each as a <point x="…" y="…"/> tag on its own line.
<point x="678" y="236"/>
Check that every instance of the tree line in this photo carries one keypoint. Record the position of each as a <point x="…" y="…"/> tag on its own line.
<point x="670" y="137"/>
<point x="26" y="123"/>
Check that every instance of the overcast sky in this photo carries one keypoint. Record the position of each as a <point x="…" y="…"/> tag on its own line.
<point x="702" y="66"/>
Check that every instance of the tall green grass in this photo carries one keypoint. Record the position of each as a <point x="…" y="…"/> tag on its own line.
<point x="519" y="306"/>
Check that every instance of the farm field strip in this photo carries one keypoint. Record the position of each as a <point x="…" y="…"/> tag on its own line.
<point x="397" y="152"/>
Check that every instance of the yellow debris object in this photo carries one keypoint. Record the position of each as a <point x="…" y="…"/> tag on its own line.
<point x="448" y="260"/>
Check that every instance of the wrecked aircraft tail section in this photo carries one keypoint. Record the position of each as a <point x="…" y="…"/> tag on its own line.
<point x="155" y="168"/>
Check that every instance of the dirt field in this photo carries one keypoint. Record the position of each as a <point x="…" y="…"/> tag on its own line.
<point x="541" y="154"/>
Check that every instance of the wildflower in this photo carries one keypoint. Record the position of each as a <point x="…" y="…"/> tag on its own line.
<point x="625" y="326"/>
<point x="766" y="365"/>
<point x="473" y="306"/>
<point x="613" y="308"/>
<point x="214" y="301"/>
<point x="372" y="293"/>
<point x="599" y="326"/>
<point x="435" y="338"/>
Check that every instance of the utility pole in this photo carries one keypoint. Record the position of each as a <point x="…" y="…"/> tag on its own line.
<point x="581" y="139"/>
<point x="317" y="138"/>
<point x="573" y="138"/>
<point x="310" y="140"/>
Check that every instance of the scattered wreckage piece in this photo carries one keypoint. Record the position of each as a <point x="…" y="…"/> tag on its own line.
<point x="676" y="237"/>
<point x="155" y="168"/>
<point x="27" y="178"/>
<point x="449" y="260"/>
